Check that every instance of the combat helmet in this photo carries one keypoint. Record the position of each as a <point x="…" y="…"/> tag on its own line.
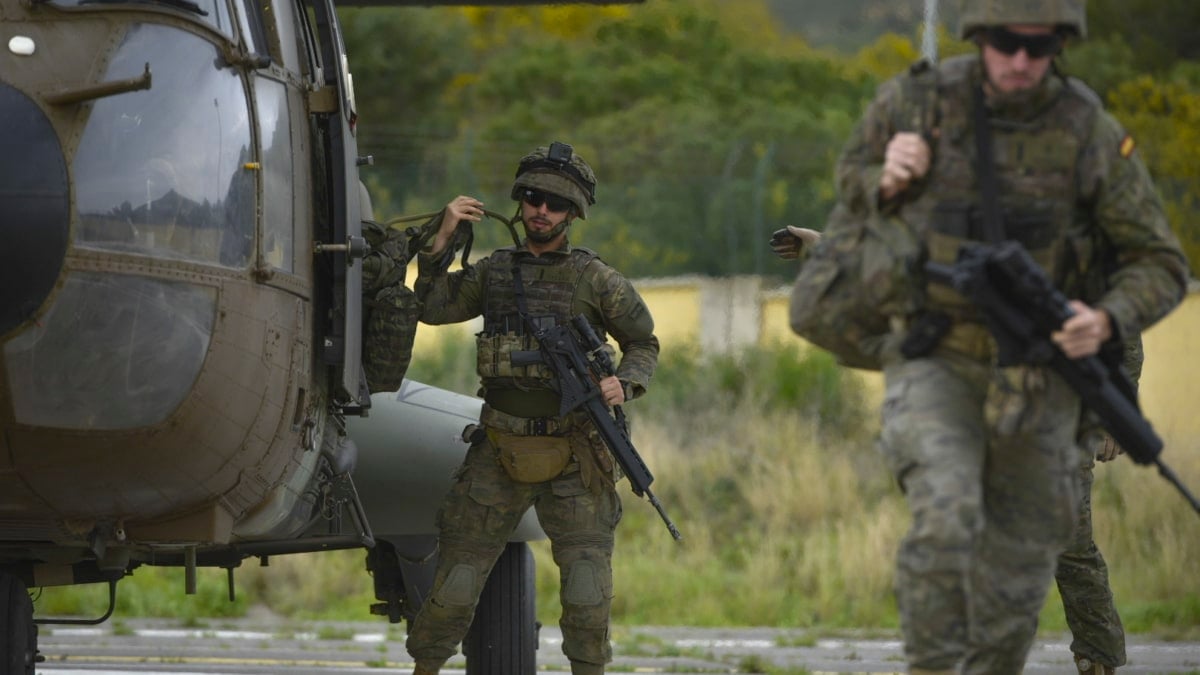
<point x="559" y="171"/>
<point x="1067" y="14"/>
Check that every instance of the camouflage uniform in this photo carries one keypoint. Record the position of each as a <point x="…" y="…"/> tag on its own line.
<point x="1082" y="575"/>
<point x="578" y="507"/>
<point x="987" y="456"/>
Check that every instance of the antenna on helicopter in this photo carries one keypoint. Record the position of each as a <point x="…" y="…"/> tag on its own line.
<point x="929" y="46"/>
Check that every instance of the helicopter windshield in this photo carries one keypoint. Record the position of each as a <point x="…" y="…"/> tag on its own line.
<point x="164" y="172"/>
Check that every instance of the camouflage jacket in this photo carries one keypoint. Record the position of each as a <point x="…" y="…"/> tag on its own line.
<point x="1063" y="164"/>
<point x="605" y="297"/>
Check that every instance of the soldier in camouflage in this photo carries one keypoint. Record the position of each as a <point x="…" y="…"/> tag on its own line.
<point x="523" y="453"/>
<point x="987" y="456"/>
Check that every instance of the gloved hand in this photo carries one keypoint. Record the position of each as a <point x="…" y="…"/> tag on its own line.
<point x="788" y="242"/>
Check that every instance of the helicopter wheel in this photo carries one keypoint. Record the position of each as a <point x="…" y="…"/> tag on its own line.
<point x="17" y="630"/>
<point x="503" y="637"/>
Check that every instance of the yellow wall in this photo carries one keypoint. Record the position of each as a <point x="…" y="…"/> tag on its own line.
<point x="1170" y="387"/>
<point x="675" y="306"/>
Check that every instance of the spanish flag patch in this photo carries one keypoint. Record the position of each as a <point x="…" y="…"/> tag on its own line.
<point x="1126" y="147"/>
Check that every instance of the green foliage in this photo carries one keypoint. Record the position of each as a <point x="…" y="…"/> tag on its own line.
<point x="451" y="366"/>
<point x="708" y="129"/>
<point x="1102" y="63"/>
<point x="150" y="591"/>
<point x="709" y="123"/>
<point x="1160" y="32"/>
<point x="700" y="130"/>
<point x="405" y="64"/>
<point x="1164" y="117"/>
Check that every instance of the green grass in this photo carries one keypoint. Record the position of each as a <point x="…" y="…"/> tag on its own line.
<point x="766" y="462"/>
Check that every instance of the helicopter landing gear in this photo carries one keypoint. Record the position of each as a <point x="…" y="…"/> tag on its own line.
<point x="503" y="638"/>
<point x="18" y="634"/>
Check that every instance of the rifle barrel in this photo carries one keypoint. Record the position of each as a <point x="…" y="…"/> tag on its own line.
<point x="663" y="514"/>
<point x="1166" y="472"/>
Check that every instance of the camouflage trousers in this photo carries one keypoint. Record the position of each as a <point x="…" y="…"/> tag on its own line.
<point x="1082" y="579"/>
<point x="479" y="514"/>
<point x="989" y="467"/>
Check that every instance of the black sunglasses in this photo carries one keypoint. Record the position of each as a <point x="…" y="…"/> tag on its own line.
<point x="536" y="198"/>
<point x="1036" y="46"/>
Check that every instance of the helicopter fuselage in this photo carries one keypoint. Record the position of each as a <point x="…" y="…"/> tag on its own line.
<point x="171" y="352"/>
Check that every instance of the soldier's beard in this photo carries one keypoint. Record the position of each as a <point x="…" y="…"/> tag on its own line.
<point x="543" y="237"/>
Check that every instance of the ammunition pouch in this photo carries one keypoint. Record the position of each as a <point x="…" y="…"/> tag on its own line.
<point x="494" y="358"/>
<point x="531" y="459"/>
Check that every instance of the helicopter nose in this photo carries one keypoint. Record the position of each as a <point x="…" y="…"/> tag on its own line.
<point x="34" y="207"/>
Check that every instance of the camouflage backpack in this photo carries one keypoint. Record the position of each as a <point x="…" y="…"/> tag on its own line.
<point x="867" y="268"/>
<point x="863" y="271"/>
<point x="390" y="308"/>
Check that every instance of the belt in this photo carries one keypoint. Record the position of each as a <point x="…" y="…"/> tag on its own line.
<point x="522" y="426"/>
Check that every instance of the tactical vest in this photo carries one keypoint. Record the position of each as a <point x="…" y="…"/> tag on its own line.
<point x="549" y="284"/>
<point x="1036" y="150"/>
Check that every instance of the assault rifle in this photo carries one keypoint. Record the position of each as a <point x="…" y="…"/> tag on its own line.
<point x="577" y="357"/>
<point x="1022" y="308"/>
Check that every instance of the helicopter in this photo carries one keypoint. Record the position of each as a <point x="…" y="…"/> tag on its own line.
<point x="181" y="377"/>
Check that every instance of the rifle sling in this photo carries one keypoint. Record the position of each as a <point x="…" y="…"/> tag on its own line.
<point x="985" y="167"/>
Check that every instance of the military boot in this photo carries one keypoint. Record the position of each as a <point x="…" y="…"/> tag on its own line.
<point x="1090" y="667"/>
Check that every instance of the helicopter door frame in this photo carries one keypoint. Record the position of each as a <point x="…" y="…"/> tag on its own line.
<point x="344" y="350"/>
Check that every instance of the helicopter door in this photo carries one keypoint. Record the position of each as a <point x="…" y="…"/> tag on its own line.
<point x="344" y="350"/>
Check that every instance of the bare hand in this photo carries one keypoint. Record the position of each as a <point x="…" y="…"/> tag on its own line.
<point x="612" y="390"/>
<point x="1083" y="333"/>
<point x="905" y="160"/>
<point x="787" y="243"/>
<point x="1106" y="448"/>
<point x="460" y="208"/>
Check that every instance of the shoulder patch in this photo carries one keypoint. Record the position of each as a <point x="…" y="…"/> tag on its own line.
<point x="1126" y="147"/>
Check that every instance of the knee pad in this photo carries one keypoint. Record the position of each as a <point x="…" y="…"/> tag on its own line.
<point x="582" y="584"/>
<point x="458" y="590"/>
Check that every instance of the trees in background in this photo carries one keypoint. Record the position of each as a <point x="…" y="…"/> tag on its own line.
<point x="708" y="123"/>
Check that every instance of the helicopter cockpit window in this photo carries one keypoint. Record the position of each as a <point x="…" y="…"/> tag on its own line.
<point x="213" y="12"/>
<point x="278" y="201"/>
<point x="167" y="172"/>
<point x="250" y="17"/>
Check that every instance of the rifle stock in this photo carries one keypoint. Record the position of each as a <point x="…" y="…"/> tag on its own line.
<point x="1022" y="308"/>
<point x="575" y="353"/>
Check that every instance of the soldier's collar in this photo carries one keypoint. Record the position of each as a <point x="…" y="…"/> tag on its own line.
<point x="562" y="250"/>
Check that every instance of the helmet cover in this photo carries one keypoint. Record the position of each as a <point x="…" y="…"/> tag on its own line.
<point x="980" y="14"/>
<point x="560" y="171"/>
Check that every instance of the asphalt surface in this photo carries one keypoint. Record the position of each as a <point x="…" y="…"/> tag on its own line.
<point x="324" y="648"/>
